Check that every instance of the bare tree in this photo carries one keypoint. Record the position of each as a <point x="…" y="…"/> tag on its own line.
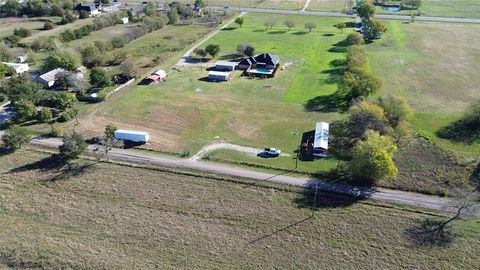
<point x="269" y="24"/>
<point x="289" y="24"/>
<point x="310" y="26"/>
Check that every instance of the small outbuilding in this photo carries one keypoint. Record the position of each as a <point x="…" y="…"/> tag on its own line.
<point x="161" y="73"/>
<point x="320" y="142"/>
<point x="19" y="68"/>
<point x="21" y="59"/>
<point x="217" y="76"/>
<point x="152" y="78"/>
<point x="48" y="79"/>
<point x="225" y="66"/>
<point x="124" y="20"/>
<point x="90" y="8"/>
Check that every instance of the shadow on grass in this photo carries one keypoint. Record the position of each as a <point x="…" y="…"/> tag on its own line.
<point x="459" y="131"/>
<point x="5" y="151"/>
<point x="328" y="35"/>
<point x="330" y="103"/>
<point x="277" y="32"/>
<point x="62" y="169"/>
<point x="229" y="28"/>
<point x="300" y="33"/>
<point x="232" y="56"/>
<point x="426" y="234"/>
<point x="315" y="199"/>
<point x="259" y="30"/>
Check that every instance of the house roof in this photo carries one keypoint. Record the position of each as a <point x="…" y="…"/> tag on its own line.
<point x="226" y="63"/>
<point x="321" y="135"/>
<point x="17" y="66"/>
<point x="50" y="76"/>
<point x="153" y="77"/>
<point x="249" y="61"/>
<point x="267" y="58"/>
<point x="218" y="73"/>
<point x="86" y="6"/>
<point x="131" y="132"/>
<point x="162" y="73"/>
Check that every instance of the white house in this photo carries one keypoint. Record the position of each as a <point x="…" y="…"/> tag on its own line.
<point x="48" y="79"/>
<point x="218" y="76"/>
<point x="19" y="68"/>
<point x="124" y="20"/>
<point x="225" y="66"/>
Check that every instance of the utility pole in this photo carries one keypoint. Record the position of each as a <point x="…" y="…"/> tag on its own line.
<point x="314" y="200"/>
<point x="296" y="159"/>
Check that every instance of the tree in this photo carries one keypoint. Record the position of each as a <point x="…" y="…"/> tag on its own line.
<point x="64" y="79"/>
<point x="289" y="24"/>
<point x="99" y="78"/>
<point x="5" y="54"/>
<point x="48" y="25"/>
<point x="359" y="84"/>
<point x="108" y="140"/>
<point x="11" y="8"/>
<point x="73" y="146"/>
<point x="62" y="59"/>
<point x="412" y="4"/>
<point x="365" y="10"/>
<point x="245" y="49"/>
<point x="173" y="16"/>
<point x="367" y="116"/>
<point x="15" y="137"/>
<point x="45" y="116"/>
<point x="212" y="50"/>
<point x="83" y="14"/>
<point x="6" y="71"/>
<point x="63" y="100"/>
<point x="68" y="18"/>
<point x="239" y="21"/>
<point x="201" y="53"/>
<point x="396" y="109"/>
<point x="22" y="32"/>
<point x="471" y="117"/>
<point x="373" y="29"/>
<point x="372" y="159"/>
<point x="24" y="110"/>
<point x="310" y="26"/>
<point x="357" y="60"/>
<point x="354" y="39"/>
<point x="269" y="24"/>
<point x="129" y="69"/>
<point x="200" y="3"/>
<point x="91" y="56"/>
<point x="340" y="26"/>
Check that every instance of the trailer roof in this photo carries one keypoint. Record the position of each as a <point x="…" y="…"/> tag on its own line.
<point x="218" y="73"/>
<point x="226" y="63"/>
<point x="131" y="132"/>
<point x="321" y="135"/>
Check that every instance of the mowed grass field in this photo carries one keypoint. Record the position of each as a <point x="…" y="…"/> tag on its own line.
<point x="435" y="66"/>
<point x="283" y="4"/>
<point x="90" y="215"/>
<point x="187" y="111"/>
<point x="443" y="8"/>
<point x="35" y="25"/>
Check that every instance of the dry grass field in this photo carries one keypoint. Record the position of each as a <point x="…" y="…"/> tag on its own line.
<point x="90" y="215"/>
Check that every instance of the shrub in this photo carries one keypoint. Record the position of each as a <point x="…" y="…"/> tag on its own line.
<point x="64" y="117"/>
<point x="45" y="115"/>
<point x="83" y="14"/>
<point x="15" y="137"/>
<point x="55" y="131"/>
<point x="73" y="146"/>
<point x="22" y="32"/>
<point x="99" y="78"/>
<point x="48" y="25"/>
<point x="355" y="39"/>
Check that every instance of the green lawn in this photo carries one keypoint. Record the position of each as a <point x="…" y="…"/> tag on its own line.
<point x="186" y="112"/>
<point x="90" y="215"/>
<point x="329" y="5"/>
<point x="231" y="3"/>
<point x="444" y="8"/>
<point x="283" y="4"/>
<point x="435" y="66"/>
<point x="35" y="25"/>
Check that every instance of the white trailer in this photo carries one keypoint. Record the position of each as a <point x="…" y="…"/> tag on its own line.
<point x="131" y="135"/>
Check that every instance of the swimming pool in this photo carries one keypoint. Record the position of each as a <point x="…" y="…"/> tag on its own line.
<point x="391" y="8"/>
<point x="265" y="71"/>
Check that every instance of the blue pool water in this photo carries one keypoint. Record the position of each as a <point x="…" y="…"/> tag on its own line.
<point x="263" y="70"/>
<point x="392" y="9"/>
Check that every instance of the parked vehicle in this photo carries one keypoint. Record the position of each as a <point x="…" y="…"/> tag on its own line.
<point x="132" y="136"/>
<point x="272" y="152"/>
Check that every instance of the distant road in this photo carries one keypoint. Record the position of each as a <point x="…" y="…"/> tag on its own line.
<point x="408" y="198"/>
<point x="342" y="15"/>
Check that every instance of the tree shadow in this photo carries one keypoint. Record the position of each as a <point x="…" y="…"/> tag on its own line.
<point x="459" y="131"/>
<point x="329" y="103"/>
<point x="228" y="28"/>
<point x="276" y="32"/>
<point x="315" y="199"/>
<point x="328" y="35"/>
<point x="4" y="151"/>
<point x="426" y="234"/>
<point x="259" y="30"/>
<point x="300" y="33"/>
<point x="63" y="169"/>
<point x="232" y="56"/>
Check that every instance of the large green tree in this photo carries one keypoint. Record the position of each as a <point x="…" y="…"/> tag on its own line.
<point x="372" y="158"/>
<point x="24" y="110"/>
<point x="365" y="9"/>
<point x="212" y="50"/>
<point x="62" y="59"/>
<point x="15" y="137"/>
<point x="73" y="146"/>
<point x="99" y="78"/>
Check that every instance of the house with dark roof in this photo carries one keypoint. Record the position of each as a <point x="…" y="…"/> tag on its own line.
<point x="264" y="64"/>
<point x="88" y="7"/>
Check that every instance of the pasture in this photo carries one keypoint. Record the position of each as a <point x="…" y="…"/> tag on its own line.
<point x="93" y="215"/>
<point x="435" y="66"/>
<point x="35" y="25"/>
<point x="187" y="111"/>
<point x="442" y="8"/>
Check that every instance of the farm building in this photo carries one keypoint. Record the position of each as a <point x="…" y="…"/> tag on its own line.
<point x="90" y="8"/>
<point x="217" y="76"/>
<point x="19" y="68"/>
<point x="320" y="142"/>
<point x="124" y="20"/>
<point x="225" y="66"/>
<point x="48" y="79"/>
<point x="264" y="64"/>
<point x="161" y="73"/>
